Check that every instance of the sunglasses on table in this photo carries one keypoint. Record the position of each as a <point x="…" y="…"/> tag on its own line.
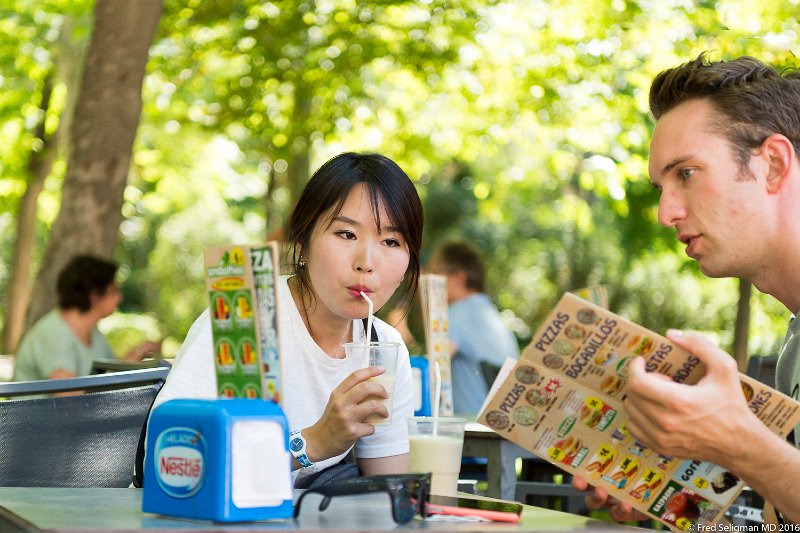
<point x="407" y="492"/>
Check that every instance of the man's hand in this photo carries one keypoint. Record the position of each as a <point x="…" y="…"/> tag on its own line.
<point x="143" y="350"/>
<point x="702" y="421"/>
<point x="598" y="498"/>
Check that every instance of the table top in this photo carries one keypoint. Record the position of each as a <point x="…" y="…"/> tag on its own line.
<point x="63" y="510"/>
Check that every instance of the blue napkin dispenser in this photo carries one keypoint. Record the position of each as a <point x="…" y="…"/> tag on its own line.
<point x="221" y="460"/>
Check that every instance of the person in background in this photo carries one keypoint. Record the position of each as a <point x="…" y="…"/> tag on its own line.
<point x="356" y="227"/>
<point x="724" y="158"/>
<point x="64" y="342"/>
<point x="477" y="331"/>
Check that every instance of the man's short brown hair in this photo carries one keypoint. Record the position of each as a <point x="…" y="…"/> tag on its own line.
<point x="751" y="99"/>
<point x="462" y="257"/>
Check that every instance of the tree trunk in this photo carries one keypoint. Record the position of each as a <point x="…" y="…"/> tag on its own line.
<point x="39" y="166"/>
<point x="69" y="58"/>
<point x="741" y="330"/>
<point x="103" y="129"/>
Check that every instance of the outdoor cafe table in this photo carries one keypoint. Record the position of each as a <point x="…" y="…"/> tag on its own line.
<point x="70" y="510"/>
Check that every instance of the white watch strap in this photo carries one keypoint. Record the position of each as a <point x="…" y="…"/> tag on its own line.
<point x="297" y="445"/>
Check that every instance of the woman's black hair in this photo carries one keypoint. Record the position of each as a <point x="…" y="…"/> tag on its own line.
<point x="325" y="194"/>
<point x="82" y="276"/>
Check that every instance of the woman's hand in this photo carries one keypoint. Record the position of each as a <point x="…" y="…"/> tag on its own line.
<point x="341" y="424"/>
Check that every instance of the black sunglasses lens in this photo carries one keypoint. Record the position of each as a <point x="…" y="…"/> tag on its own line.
<point x="403" y="508"/>
<point x="410" y="501"/>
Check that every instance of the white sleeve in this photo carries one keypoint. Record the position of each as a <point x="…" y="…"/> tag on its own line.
<point x="193" y="374"/>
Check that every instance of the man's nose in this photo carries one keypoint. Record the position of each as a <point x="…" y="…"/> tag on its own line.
<point x="671" y="209"/>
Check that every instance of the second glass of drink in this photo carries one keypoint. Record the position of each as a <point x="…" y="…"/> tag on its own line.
<point x="436" y="445"/>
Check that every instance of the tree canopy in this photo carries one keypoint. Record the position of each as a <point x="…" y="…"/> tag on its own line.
<point x="524" y="124"/>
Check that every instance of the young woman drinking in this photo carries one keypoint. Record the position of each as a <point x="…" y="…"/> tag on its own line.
<point x="357" y="227"/>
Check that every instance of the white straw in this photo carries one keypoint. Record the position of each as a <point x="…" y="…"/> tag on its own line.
<point x="368" y="333"/>
<point x="437" y="397"/>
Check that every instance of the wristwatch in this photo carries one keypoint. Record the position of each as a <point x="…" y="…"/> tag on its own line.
<point x="297" y="445"/>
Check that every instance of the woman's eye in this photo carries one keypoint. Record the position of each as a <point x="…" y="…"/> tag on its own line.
<point x="392" y="242"/>
<point x="686" y="173"/>
<point x="346" y="234"/>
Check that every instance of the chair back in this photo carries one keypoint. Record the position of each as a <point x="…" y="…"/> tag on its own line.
<point x="490" y="372"/>
<point x="87" y="440"/>
<point x="103" y="366"/>
<point x="762" y="368"/>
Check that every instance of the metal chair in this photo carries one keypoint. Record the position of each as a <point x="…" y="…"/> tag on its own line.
<point x="489" y="372"/>
<point x="762" y="368"/>
<point x="87" y="440"/>
<point x="537" y="486"/>
<point x="103" y="366"/>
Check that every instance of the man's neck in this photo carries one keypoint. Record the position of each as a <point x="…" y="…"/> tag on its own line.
<point x="779" y="272"/>
<point x="462" y="294"/>
<point x="80" y="323"/>
<point x="781" y="277"/>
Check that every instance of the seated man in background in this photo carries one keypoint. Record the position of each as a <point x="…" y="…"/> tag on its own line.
<point x="477" y="332"/>
<point x="64" y="342"/>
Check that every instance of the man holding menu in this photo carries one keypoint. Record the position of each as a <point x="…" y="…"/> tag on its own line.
<point x="724" y="156"/>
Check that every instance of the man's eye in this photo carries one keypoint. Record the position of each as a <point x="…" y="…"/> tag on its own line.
<point x="686" y="173"/>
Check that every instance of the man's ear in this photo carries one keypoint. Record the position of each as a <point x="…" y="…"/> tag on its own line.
<point x="778" y="153"/>
<point x="94" y="296"/>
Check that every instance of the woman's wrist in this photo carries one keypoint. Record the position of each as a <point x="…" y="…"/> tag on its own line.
<point x="315" y="454"/>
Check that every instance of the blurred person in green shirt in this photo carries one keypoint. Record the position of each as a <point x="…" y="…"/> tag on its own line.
<point x="65" y="342"/>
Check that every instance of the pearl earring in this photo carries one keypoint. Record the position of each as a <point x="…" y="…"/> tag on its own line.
<point x="301" y="263"/>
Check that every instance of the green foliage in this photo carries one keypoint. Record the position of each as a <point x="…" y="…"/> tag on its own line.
<point x="36" y="37"/>
<point x="524" y="124"/>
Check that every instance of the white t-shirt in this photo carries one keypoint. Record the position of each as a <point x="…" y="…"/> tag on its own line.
<point x="309" y="377"/>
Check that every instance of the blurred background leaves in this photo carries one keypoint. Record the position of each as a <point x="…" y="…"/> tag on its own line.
<point x="523" y="123"/>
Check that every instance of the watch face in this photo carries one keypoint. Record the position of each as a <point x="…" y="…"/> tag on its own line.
<point x="296" y="444"/>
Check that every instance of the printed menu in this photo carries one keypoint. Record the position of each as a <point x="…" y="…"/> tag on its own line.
<point x="241" y="285"/>
<point x="563" y="401"/>
<point x="437" y="339"/>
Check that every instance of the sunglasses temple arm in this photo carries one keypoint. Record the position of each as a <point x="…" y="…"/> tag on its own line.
<point x="297" y="506"/>
<point x="326" y="501"/>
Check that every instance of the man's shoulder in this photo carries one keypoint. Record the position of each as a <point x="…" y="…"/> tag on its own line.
<point x="50" y="328"/>
<point x="478" y="304"/>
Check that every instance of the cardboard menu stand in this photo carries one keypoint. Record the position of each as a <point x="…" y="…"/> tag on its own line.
<point x="597" y="294"/>
<point x="563" y="401"/>
<point x="437" y="339"/>
<point x="241" y="284"/>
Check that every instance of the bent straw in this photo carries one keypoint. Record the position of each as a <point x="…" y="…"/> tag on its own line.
<point x="438" y="397"/>
<point x="367" y="333"/>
